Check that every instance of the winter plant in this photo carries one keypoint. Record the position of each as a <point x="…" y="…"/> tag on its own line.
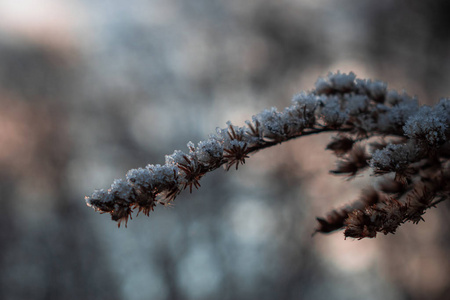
<point x="386" y="131"/>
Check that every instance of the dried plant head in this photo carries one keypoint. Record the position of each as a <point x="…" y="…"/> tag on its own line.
<point x="340" y="145"/>
<point x="401" y="142"/>
<point x="353" y="162"/>
<point x="193" y="173"/>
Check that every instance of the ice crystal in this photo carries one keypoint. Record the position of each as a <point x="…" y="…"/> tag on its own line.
<point x="428" y="125"/>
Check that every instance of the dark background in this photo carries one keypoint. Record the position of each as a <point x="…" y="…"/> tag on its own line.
<point x="92" y="88"/>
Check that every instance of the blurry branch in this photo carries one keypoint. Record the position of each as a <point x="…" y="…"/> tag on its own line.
<point x="376" y="129"/>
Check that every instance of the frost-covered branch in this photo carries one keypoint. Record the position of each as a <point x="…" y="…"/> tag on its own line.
<point x="383" y="130"/>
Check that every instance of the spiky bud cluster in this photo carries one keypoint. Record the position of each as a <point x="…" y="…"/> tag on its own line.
<point x="378" y="129"/>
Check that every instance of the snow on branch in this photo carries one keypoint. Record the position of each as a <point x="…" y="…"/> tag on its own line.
<point x="375" y="128"/>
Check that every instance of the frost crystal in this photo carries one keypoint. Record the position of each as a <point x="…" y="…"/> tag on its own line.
<point x="163" y="175"/>
<point x="209" y="150"/>
<point x="190" y="146"/>
<point x="305" y="100"/>
<point x="291" y="115"/>
<point x="122" y="190"/>
<point x="428" y="125"/>
<point x="393" y="158"/>
<point x="357" y="104"/>
<point x="444" y="108"/>
<point x="225" y="135"/>
<point x="335" y="82"/>
<point x="272" y="122"/>
<point x="322" y="85"/>
<point x="342" y="82"/>
<point x="99" y="195"/>
<point x="176" y="157"/>
<point x="376" y="89"/>
<point x="332" y="113"/>
<point x="394" y="118"/>
<point x="139" y="177"/>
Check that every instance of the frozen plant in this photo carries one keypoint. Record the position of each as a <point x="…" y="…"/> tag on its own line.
<point x="385" y="131"/>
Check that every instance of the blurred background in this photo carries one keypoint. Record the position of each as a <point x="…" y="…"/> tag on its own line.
<point x="92" y="88"/>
